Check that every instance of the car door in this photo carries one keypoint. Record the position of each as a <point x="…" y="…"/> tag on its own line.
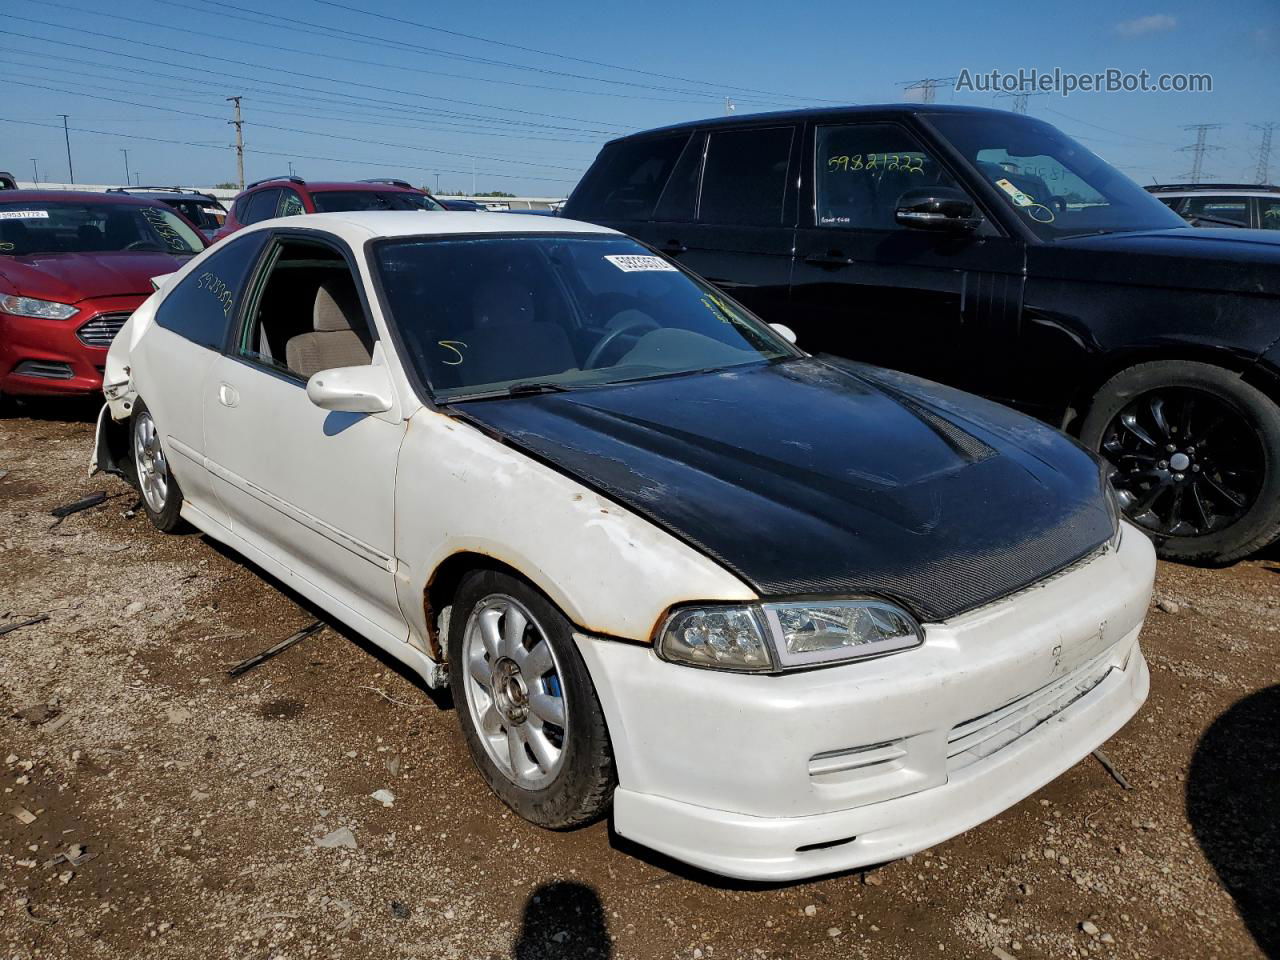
<point x="740" y="234"/>
<point x="310" y="488"/>
<point x="173" y="360"/>
<point x="942" y="305"/>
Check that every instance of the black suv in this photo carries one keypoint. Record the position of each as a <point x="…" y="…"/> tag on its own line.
<point x="990" y="251"/>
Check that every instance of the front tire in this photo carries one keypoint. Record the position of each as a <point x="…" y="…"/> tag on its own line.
<point x="1197" y="458"/>
<point x="161" y="496"/>
<point x="528" y="709"/>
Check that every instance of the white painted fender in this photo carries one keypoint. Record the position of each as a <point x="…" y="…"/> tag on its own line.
<point x="611" y="571"/>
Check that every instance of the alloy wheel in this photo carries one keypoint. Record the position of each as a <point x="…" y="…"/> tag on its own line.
<point x="151" y="467"/>
<point x="514" y="692"/>
<point x="1187" y="463"/>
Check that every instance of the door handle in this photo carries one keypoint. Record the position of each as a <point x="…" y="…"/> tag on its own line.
<point x="832" y="258"/>
<point x="674" y="247"/>
<point x="227" y="395"/>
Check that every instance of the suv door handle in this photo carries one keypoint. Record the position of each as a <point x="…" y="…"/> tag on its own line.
<point x="227" y="395"/>
<point x="832" y="258"/>
<point x="674" y="247"/>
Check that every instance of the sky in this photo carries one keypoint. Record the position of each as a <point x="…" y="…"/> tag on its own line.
<point x="519" y="96"/>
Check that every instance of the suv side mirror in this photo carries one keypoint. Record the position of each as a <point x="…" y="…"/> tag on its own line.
<point x="363" y="389"/>
<point x="937" y="208"/>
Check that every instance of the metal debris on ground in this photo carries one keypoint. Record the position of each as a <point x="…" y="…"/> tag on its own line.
<point x="92" y="500"/>
<point x="75" y="856"/>
<point x="10" y="627"/>
<point x="270" y="652"/>
<point x="1110" y="767"/>
<point x="22" y="813"/>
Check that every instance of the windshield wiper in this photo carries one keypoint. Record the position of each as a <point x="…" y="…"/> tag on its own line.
<point x="530" y="387"/>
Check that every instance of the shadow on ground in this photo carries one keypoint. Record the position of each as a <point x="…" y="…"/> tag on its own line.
<point x="1233" y="803"/>
<point x="563" y="920"/>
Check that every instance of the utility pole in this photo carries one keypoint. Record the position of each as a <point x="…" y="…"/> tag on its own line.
<point x="473" y="178"/>
<point x="1264" y="150"/>
<point x="290" y="168"/>
<point x="71" y="173"/>
<point x="238" y="124"/>
<point x="1199" y="148"/>
<point x="928" y="87"/>
<point x="35" y="172"/>
<point x="127" y="179"/>
<point x="437" y="183"/>
<point x="729" y="106"/>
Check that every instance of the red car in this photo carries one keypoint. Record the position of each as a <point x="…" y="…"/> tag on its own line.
<point x="290" y="196"/>
<point x="73" y="266"/>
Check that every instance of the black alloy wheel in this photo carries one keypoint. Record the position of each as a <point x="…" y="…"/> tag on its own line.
<point x="1186" y="463"/>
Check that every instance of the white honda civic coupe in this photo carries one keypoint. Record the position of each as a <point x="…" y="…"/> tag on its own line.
<point x="782" y="615"/>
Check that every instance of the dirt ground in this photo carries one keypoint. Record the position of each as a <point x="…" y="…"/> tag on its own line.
<point x="176" y="810"/>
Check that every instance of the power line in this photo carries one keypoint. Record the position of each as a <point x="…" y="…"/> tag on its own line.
<point x="1119" y="133"/>
<point x="928" y="87"/>
<point x="289" y="155"/>
<point x="547" y="53"/>
<point x="269" y="126"/>
<point x="175" y="92"/>
<point x="310" y="76"/>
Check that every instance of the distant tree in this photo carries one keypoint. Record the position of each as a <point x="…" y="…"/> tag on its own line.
<point x="226" y="186"/>
<point x="495" y="193"/>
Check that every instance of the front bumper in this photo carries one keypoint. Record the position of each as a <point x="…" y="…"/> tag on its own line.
<point x="41" y="357"/>
<point x="778" y="778"/>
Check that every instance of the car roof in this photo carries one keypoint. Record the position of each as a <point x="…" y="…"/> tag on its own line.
<point x="322" y="185"/>
<point x="1212" y="189"/>
<point x="171" y="195"/>
<point x="879" y="110"/>
<point x="87" y="196"/>
<point x="361" y="225"/>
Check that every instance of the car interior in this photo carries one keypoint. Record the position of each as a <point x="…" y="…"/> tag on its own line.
<point x="306" y="316"/>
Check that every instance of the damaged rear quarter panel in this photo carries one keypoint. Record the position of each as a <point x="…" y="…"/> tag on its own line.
<point x="611" y="571"/>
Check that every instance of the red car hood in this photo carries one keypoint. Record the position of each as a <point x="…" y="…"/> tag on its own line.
<point x="72" y="277"/>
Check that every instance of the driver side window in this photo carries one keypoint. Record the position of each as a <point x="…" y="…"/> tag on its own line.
<point x="860" y="171"/>
<point x="306" y="315"/>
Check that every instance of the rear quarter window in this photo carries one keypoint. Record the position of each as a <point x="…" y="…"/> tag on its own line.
<point x="201" y="307"/>
<point x="626" y="180"/>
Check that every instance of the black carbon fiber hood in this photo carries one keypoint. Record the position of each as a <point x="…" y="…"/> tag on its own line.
<point x="821" y="476"/>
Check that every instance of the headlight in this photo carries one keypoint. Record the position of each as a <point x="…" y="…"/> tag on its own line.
<point x="1114" y="508"/>
<point x="770" y="637"/>
<point x="43" y="309"/>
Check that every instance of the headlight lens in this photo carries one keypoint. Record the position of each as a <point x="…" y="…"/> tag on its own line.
<point x="730" y="638"/>
<point x="43" y="309"/>
<point x="784" y="636"/>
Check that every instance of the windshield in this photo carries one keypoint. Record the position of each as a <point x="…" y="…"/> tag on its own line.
<point x="332" y="201"/>
<point x="40" y="226"/>
<point x="481" y="314"/>
<point x="1054" y="185"/>
<point x="200" y="212"/>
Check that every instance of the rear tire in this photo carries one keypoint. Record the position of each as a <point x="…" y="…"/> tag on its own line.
<point x="161" y="496"/>
<point x="528" y="709"/>
<point x="1197" y="457"/>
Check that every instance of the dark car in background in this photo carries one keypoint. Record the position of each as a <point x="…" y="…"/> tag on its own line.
<point x="1251" y="205"/>
<point x="990" y="251"/>
<point x="203" y="209"/>
<point x="291" y="196"/>
<point x="73" y="267"/>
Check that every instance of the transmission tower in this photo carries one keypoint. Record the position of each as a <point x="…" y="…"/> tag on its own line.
<point x="928" y="87"/>
<point x="1199" y="148"/>
<point x="1019" y="100"/>
<point x="1264" y="150"/>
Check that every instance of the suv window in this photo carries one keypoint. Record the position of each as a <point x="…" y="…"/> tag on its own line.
<point x="680" y="198"/>
<point x="260" y="206"/>
<point x="744" y="178"/>
<point x="625" y="181"/>
<point x="290" y="204"/>
<point x="1269" y="213"/>
<point x="202" y="305"/>
<point x="860" y="171"/>
<point x="1234" y="209"/>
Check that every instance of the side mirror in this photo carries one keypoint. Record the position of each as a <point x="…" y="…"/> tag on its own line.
<point x="365" y="389"/>
<point x="785" y="332"/>
<point x="937" y="208"/>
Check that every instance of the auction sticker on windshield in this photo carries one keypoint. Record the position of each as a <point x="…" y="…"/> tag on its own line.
<point x="632" y="263"/>
<point x="24" y="214"/>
